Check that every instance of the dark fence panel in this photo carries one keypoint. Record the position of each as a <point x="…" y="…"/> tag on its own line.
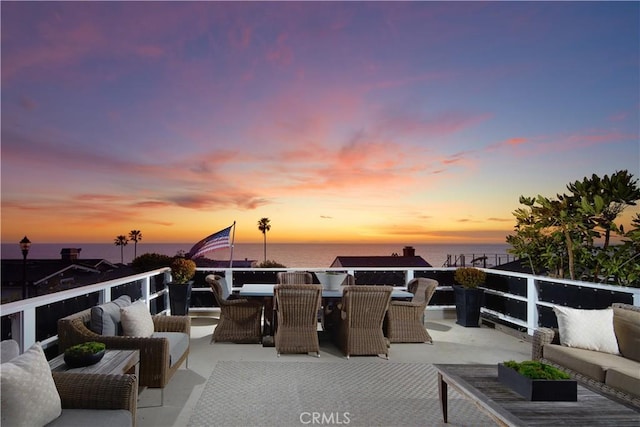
<point x="389" y="278"/>
<point x="47" y="316"/>
<point x="511" y="285"/>
<point x="507" y="306"/>
<point x="576" y="297"/>
<point x="444" y="278"/>
<point x="242" y="277"/>
<point x="580" y="296"/>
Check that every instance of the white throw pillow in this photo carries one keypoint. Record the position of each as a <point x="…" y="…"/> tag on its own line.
<point x="136" y="320"/>
<point x="29" y="395"/>
<point x="588" y="329"/>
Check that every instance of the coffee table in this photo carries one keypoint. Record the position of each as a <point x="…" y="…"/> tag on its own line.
<point x="113" y="362"/>
<point x="480" y="384"/>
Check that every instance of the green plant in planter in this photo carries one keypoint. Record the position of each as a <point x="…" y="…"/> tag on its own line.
<point x="182" y="270"/>
<point x="85" y="349"/>
<point x="469" y="277"/>
<point x="537" y="370"/>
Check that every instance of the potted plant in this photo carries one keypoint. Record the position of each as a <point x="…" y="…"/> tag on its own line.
<point x="182" y="271"/>
<point x="468" y="295"/>
<point x="537" y="381"/>
<point x="84" y="354"/>
<point x="331" y="280"/>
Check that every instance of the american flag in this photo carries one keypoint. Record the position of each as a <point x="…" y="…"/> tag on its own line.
<point x="211" y="243"/>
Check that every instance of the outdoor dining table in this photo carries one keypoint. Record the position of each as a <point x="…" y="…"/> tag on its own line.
<point x="265" y="292"/>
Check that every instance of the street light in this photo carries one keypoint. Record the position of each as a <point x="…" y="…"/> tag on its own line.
<point x="25" y="244"/>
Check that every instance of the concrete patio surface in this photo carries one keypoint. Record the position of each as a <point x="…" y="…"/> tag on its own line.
<point x="451" y="344"/>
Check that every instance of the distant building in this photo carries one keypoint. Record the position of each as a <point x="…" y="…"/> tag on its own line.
<point x="408" y="259"/>
<point x="45" y="276"/>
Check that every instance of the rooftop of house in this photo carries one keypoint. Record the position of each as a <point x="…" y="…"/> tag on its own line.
<point x="380" y="261"/>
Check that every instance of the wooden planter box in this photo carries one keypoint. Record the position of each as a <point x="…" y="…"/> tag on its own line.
<point x="538" y="390"/>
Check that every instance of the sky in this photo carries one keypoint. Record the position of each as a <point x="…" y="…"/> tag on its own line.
<point x="363" y="122"/>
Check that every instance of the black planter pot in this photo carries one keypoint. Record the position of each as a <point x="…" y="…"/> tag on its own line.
<point x="538" y="390"/>
<point x="468" y="303"/>
<point x="179" y="298"/>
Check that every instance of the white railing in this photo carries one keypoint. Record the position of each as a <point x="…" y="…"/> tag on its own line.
<point x="23" y="313"/>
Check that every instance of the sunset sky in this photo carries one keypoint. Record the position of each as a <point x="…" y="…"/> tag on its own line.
<point x="339" y="121"/>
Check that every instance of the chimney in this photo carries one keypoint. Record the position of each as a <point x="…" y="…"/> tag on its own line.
<point x="70" y="254"/>
<point x="408" y="251"/>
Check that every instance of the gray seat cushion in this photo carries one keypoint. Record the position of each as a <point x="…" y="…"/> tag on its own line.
<point x="178" y="344"/>
<point x="591" y="363"/>
<point x="105" y="318"/>
<point x="625" y="378"/>
<point x="93" y="418"/>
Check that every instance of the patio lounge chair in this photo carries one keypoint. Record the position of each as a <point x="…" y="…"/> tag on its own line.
<point x="360" y="322"/>
<point x="239" y="318"/>
<point x="160" y="354"/>
<point x="86" y="398"/>
<point x="296" y="307"/>
<point x="405" y="318"/>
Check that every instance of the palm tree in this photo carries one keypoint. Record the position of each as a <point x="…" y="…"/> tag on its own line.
<point x="135" y="236"/>
<point x="264" y="226"/>
<point x="121" y="241"/>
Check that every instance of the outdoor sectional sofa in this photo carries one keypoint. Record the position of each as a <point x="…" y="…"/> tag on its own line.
<point x="163" y="348"/>
<point x="33" y="395"/>
<point x="615" y="374"/>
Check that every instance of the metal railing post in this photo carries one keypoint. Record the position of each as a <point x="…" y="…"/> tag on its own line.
<point x="532" y="305"/>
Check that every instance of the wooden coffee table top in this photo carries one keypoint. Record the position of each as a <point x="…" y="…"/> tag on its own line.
<point x="113" y="362"/>
<point x="480" y="384"/>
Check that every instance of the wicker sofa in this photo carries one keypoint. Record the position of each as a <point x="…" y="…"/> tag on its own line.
<point x="615" y="375"/>
<point x="86" y="399"/>
<point x="160" y="354"/>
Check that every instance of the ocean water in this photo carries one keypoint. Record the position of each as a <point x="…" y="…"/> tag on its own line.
<point x="289" y="254"/>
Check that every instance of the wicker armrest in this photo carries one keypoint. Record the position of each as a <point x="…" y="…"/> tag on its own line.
<point x="172" y="324"/>
<point x="542" y="336"/>
<point x="97" y="391"/>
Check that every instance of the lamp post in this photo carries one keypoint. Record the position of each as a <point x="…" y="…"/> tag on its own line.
<point x="25" y="244"/>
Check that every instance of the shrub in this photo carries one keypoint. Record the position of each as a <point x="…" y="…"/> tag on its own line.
<point x="537" y="370"/>
<point x="90" y="347"/>
<point x="469" y="277"/>
<point x="151" y="261"/>
<point x="182" y="270"/>
<point x="271" y="264"/>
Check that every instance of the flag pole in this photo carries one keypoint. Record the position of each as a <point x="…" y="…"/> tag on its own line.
<point x="233" y="239"/>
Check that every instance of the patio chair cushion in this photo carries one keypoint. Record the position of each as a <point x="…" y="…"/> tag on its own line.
<point x="105" y="318"/>
<point x="29" y="394"/>
<point x="626" y="324"/>
<point x="178" y="344"/>
<point x="93" y="418"/>
<point x="587" y="329"/>
<point x="593" y="364"/>
<point x="136" y="320"/>
<point x="626" y="378"/>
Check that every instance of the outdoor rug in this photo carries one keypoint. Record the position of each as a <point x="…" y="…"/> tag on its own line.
<point x="349" y="393"/>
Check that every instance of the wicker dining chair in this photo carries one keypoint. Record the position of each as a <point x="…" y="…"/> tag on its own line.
<point x="296" y="307"/>
<point x="240" y="319"/>
<point x="294" y="277"/>
<point x="362" y="313"/>
<point x="404" y="322"/>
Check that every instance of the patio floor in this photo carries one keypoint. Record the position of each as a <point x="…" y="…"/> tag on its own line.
<point x="451" y="344"/>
